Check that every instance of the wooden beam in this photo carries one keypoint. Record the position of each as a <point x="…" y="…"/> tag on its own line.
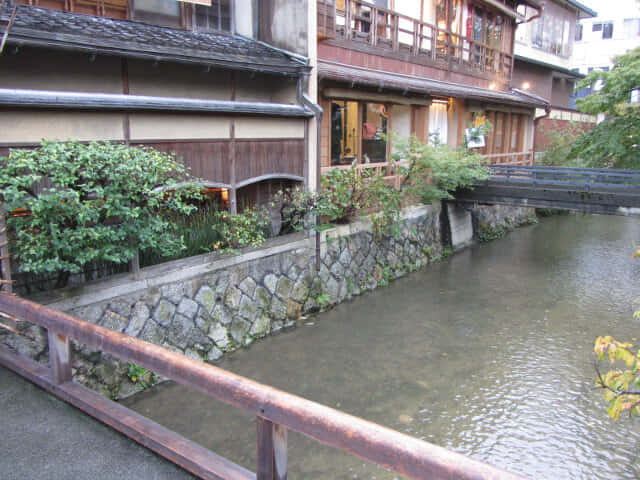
<point x="5" y="259"/>
<point x="59" y="357"/>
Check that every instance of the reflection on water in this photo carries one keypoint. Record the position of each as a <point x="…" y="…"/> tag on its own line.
<point x="488" y="354"/>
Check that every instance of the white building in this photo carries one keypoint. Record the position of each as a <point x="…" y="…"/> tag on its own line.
<point x="615" y="30"/>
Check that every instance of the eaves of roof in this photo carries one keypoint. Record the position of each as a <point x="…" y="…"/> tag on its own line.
<point x="41" y="27"/>
<point x="555" y="68"/>
<point x="583" y="10"/>
<point x="412" y="84"/>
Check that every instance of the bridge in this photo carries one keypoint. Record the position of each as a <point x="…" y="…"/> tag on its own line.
<point x="590" y="190"/>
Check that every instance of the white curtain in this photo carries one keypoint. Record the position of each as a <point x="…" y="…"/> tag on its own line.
<point x="438" y="121"/>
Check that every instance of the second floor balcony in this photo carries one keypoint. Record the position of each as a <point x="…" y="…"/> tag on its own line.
<point x="471" y="37"/>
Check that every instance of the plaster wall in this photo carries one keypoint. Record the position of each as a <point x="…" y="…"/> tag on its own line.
<point x="160" y="126"/>
<point x="256" y="127"/>
<point x="37" y="69"/>
<point x="31" y="126"/>
<point x="182" y="81"/>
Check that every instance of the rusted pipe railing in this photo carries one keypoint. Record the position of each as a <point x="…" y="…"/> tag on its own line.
<point x="276" y="411"/>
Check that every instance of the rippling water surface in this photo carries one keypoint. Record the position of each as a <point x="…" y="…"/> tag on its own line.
<point x="488" y="353"/>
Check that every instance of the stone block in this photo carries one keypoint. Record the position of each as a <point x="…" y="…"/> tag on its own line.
<point x="164" y="312"/>
<point x="172" y="292"/>
<point x="248" y="286"/>
<point x="294" y="310"/>
<point x="206" y="297"/>
<point x="139" y="315"/>
<point x="220" y="335"/>
<point x="238" y="329"/>
<point x="232" y="298"/>
<point x="284" y="288"/>
<point x="188" y="308"/>
<point x="261" y="326"/>
<point x="271" y="282"/>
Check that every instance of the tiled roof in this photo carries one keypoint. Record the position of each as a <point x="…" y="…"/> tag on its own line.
<point x="409" y="83"/>
<point x="52" y="28"/>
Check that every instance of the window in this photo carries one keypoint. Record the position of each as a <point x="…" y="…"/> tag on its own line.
<point x="597" y="27"/>
<point x="358" y="132"/>
<point x="160" y="12"/>
<point x="344" y="132"/>
<point x="631" y="27"/>
<point x="607" y="30"/>
<point x="374" y="131"/>
<point x="438" y="122"/>
<point x="552" y="31"/>
<point x="214" y="17"/>
<point x="578" y="36"/>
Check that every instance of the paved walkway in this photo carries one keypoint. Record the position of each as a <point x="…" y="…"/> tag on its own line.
<point x="42" y="437"/>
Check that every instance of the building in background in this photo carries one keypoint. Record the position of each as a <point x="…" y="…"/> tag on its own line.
<point x="544" y="47"/>
<point x="614" y="31"/>
<point x="420" y="67"/>
<point x="195" y="79"/>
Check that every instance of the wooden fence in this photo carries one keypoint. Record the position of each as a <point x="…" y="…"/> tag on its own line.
<point x="276" y="411"/>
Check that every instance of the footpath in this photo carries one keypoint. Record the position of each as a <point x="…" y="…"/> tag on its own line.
<point x="42" y="437"/>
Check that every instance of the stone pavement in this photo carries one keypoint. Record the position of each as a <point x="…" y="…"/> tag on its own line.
<point x="42" y="437"/>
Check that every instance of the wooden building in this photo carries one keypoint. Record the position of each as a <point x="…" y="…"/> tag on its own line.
<point x="189" y="78"/>
<point x="420" y="67"/>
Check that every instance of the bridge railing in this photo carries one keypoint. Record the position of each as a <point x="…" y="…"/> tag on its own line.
<point x="276" y="411"/>
<point x="585" y="178"/>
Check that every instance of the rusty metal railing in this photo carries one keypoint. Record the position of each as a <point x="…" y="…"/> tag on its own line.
<point x="276" y="411"/>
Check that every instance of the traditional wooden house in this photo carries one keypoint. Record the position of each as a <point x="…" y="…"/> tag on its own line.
<point x="424" y="68"/>
<point x="190" y="78"/>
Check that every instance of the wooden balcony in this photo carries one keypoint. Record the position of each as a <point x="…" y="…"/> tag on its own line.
<point x="386" y="32"/>
<point x="514" y="158"/>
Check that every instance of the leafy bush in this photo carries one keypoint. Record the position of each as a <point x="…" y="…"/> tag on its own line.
<point x="559" y="142"/>
<point x="91" y="203"/>
<point x="247" y="229"/>
<point x="436" y="170"/>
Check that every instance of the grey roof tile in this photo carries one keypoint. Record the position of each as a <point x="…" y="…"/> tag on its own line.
<point x="42" y="26"/>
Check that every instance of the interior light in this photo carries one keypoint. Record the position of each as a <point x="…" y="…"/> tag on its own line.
<point x="225" y="195"/>
<point x="526" y="86"/>
<point x="492" y="86"/>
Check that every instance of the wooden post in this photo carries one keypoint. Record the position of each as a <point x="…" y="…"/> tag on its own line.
<point x="59" y="357"/>
<point x="272" y="450"/>
<point x="5" y="260"/>
<point x="134" y="263"/>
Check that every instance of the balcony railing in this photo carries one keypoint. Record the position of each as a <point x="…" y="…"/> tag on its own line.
<point x="388" y="170"/>
<point x="385" y="30"/>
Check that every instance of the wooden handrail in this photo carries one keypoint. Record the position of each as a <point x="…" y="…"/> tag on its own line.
<point x="273" y="408"/>
<point x="516" y="158"/>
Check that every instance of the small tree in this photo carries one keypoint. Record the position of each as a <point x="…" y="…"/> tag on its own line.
<point x="620" y="387"/>
<point x="90" y="203"/>
<point x="437" y="169"/>
<point x="614" y="142"/>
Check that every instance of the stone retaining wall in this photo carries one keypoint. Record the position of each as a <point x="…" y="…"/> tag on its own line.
<point x="205" y="306"/>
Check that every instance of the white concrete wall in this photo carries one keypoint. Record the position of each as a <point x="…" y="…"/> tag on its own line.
<point x="592" y="51"/>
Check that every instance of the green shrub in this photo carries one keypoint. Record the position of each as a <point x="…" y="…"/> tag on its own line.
<point x="436" y="170"/>
<point x="100" y="202"/>
<point x="247" y="229"/>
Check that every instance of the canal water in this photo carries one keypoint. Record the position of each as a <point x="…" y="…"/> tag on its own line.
<point x="489" y="353"/>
